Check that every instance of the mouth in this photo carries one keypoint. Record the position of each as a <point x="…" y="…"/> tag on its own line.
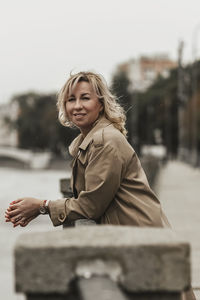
<point x="79" y="114"/>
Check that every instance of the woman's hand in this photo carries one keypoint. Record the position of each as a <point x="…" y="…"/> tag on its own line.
<point x="22" y="211"/>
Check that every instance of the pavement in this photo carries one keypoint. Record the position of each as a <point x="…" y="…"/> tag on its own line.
<point x="178" y="188"/>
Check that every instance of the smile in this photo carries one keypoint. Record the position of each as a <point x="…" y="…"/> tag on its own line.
<point x="79" y="114"/>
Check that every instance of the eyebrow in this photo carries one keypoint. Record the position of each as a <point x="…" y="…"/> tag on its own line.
<point x="72" y="95"/>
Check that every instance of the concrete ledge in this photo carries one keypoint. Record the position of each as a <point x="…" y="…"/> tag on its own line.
<point x="141" y="259"/>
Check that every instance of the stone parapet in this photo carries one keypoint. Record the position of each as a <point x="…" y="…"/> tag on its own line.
<point x="140" y="261"/>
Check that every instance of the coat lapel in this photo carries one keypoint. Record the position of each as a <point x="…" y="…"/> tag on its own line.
<point x="80" y="143"/>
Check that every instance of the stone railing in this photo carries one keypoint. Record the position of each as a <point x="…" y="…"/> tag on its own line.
<point x="102" y="262"/>
<point x="151" y="166"/>
<point x="65" y="188"/>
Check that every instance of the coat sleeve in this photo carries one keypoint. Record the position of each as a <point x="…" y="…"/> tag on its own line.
<point x="102" y="180"/>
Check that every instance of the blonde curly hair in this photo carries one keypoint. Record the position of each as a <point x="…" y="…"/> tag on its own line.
<point x="111" y="108"/>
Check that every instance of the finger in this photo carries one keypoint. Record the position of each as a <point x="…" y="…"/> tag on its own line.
<point x="7" y="220"/>
<point x="7" y="217"/>
<point x="13" y="202"/>
<point x="26" y="222"/>
<point x="17" y="221"/>
<point x="22" y="221"/>
<point x="13" y="206"/>
<point x="13" y="213"/>
<point x="16" y="201"/>
<point x="18" y="218"/>
<point x="23" y="224"/>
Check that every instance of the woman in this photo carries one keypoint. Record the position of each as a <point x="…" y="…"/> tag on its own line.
<point x="108" y="182"/>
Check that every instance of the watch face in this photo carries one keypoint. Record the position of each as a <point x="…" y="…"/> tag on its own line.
<point x="42" y="210"/>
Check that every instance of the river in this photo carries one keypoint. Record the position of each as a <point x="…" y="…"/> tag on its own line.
<point x="16" y="183"/>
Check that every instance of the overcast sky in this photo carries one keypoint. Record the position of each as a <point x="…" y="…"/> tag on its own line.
<point x="43" y="40"/>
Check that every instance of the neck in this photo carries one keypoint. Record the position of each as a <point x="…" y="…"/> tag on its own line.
<point x="85" y="131"/>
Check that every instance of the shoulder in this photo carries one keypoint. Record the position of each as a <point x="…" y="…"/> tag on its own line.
<point x="107" y="135"/>
<point x="111" y="137"/>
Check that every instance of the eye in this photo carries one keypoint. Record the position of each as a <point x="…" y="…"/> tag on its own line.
<point x="70" y="99"/>
<point x="86" y="98"/>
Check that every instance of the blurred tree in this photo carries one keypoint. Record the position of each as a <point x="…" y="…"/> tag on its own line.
<point x="158" y="111"/>
<point x="155" y="111"/>
<point x="37" y="124"/>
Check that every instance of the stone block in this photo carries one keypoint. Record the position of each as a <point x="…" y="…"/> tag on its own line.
<point x="65" y="188"/>
<point x="138" y="259"/>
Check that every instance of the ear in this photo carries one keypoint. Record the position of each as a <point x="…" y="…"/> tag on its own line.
<point x="102" y="106"/>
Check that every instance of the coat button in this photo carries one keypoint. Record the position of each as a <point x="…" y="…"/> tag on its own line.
<point x="61" y="216"/>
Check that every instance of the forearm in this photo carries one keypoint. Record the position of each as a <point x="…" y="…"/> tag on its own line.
<point x="64" y="211"/>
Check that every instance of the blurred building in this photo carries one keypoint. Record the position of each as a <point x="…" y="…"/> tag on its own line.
<point x="8" y="134"/>
<point x="143" y="71"/>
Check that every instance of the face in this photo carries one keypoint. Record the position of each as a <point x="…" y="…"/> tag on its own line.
<point x="83" y="106"/>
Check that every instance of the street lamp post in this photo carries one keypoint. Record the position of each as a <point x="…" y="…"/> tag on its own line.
<point x="182" y="98"/>
<point x="194" y="156"/>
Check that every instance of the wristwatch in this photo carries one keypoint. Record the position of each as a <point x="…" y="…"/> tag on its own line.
<point x="44" y="209"/>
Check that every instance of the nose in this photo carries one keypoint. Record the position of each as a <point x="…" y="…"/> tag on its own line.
<point x="78" y="104"/>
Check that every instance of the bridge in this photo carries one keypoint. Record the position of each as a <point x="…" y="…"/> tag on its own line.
<point x="34" y="160"/>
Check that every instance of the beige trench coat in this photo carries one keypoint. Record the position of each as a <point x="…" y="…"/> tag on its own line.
<point x="109" y="184"/>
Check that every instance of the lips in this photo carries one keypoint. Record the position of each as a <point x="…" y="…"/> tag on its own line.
<point x="79" y="114"/>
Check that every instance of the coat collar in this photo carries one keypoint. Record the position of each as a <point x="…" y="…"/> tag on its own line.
<point x="82" y="143"/>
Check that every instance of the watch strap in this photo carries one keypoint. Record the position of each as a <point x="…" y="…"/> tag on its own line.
<point x="44" y="207"/>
